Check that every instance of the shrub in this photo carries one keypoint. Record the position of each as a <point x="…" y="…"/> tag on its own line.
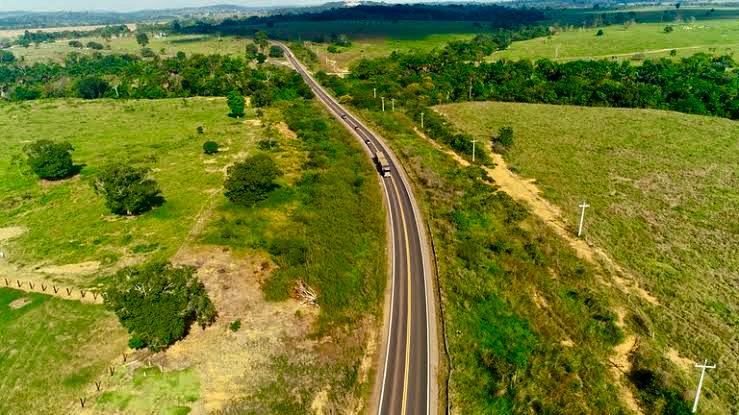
<point x="127" y="190"/>
<point x="600" y="32"/>
<point x="200" y="129"/>
<point x="268" y="144"/>
<point x="50" y="160"/>
<point x="158" y="302"/>
<point x="142" y="39"/>
<point x="669" y="29"/>
<point x="210" y="147"/>
<point x="276" y="52"/>
<point x="505" y="137"/>
<point x="92" y="87"/>
<point x="95" y="45"/>
<point x="6" y="56"/>
<point x="147" y="53"/>
<point x="235" y="104"/>
<point x="235" y="325"/>
<point x="250" y="181"/>
<point x="76" y="44"/>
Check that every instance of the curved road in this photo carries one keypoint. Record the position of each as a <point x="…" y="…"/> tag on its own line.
<point x="407" y="375"/>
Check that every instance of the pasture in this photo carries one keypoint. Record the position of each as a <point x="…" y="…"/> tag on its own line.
<point x="65" y="223"/>
<point x="52" y="351"/>
<point x="662" y="187"/>
<point x="631" y="42"/>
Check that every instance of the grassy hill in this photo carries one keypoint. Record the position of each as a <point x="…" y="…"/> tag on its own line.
<point x="637" y="41"/>
<point x="663" y="189"/>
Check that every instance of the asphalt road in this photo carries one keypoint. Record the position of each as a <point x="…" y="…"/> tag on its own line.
<point x="406" y="385"/>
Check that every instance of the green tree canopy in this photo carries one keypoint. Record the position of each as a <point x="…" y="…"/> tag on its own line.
<point x="236" y="104"/>
<point x="158" y="302"/>
<point x="276" y="52"/>
<point x="261" y="39"/>
<point x="142" y="39"/>
<point x="210" y="147"/>
<point x="51" y="160"/>
<point x="92" y="87"/>
<point x="250" y="181"/>
<point x="127" y="190"/>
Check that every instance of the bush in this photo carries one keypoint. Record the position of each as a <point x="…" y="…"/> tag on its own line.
<point x="600" y="32"/>
<point x="669" y="29"/>
<point x="92" y="87"/>
<point x="250" y="181"/>
<point x="95" y="45"/>
<point x="76" y="44"/>
<point x="147" y="53"/>
<point x="158" y="302"/>
<point x="6" y="56"/>
<point x="236" y="104"/>
<point x="210" y="147"/>
<point x="235" y="325"/>
<point x="505" y="137"/>
<point x="51" y="160"/>
<point x="276" y="52"/>
<point x="127" y="190"/>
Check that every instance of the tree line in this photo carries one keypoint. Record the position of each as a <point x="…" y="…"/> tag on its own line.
<point x="700" y="84"/>
<point x="129" y="76"/>
<point x="29" y="38"/>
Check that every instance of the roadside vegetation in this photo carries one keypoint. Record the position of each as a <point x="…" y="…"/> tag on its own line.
<point x="662" y="189"/>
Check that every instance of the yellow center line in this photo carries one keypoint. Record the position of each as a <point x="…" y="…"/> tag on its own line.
<point x="408" y="289"/>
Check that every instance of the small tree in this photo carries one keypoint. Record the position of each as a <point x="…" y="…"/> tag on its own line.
<point x="250" y="181"/>
<point x="261" y="58"/>
<point x="127" y="190"/>
<point x="76" y="44"/>
<point x="6" y="56"/>
<point x="668" y="29"/>
<point x="600" y="32"/>
<point x="210" y="147"/>
<point x="276" y="52"/>
<point x="235" y="104"/>
<point x="50" y="160"/>
<point x="157" y="303"/>
<point x="504" y="138"/>
<point x="95" y="45"/>
<point x="261" y="39"/>
<point x="251" y="51"/>
<point x="92" y="87"/>
<point x="142" y="39"/>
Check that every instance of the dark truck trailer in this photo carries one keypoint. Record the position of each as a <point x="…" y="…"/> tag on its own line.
<point x="382" y="164"/>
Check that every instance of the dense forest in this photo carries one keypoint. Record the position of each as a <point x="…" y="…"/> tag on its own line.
<point x="700" y="84"/>
<point x="129" y="76"/>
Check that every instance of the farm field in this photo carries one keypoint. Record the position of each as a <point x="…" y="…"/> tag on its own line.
<point x="662" y="188"/>
<point x="64" y="232"/>
<point x="638" y="41"/>
<point x="190" y="44"/>
<point x="53" y="351"/>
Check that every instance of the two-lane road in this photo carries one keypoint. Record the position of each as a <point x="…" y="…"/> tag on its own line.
<point x="408" y="370"/>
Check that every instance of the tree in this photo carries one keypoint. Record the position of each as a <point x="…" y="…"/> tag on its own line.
<point x="6" y="56"/>
<point x="235" y="104"/>
<point x="251" y="51"/>
<point x="600" y="32"/>
<point x="276" y="52"/>
<point x="95" y="45"/>
<point x="127" y="190"/>
<point x="668" y="29"/>
<point x="158" y="302"/>
<point x="262" y="97"/>
<point x="210" y="147"/>
<point x="250" y="181"/>
<point x="92" y="87"/>
<point x="76" y="44"/>
<point x="50" y="160"/>
<point x="142" y="39"/>
<point x="261" y="39"/>
<point x="261" y="58"/>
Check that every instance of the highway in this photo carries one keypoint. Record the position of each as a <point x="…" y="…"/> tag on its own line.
<point x="406" y="382"/>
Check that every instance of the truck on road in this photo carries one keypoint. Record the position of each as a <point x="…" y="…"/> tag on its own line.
<point x="382" y="164"/>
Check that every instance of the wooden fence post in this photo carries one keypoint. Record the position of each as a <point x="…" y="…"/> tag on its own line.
<point x="82" y="402"/>
<point x="97" y="385"/>
<point x="125" y="357"/>
<point x="55" y="289"/>
<point x="69" y="291"/>
<point x="30" y="284"/>
<point x="19" y="283"/>
<point x="111" y="370"/>
<point x="82" y="293"/>
<point x="43" y="288"/>
<point x="6" y="281"/>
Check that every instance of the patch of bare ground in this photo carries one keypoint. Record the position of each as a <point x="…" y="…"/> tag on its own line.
<point x="81" y="268"/>
<point x="682" y="362"/>
<point x="233" y="365"/>
<point x="19" y="303"/>
<point x="286" y="132"/>
<point x="11" y="232"/>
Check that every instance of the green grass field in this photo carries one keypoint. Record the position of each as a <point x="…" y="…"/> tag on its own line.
<point x="52" y="350"/>
<point x="663" y="193"/>
<point x="66" y="222"/>
<point x="190" y="44"/>
<point x="644" y="40"/>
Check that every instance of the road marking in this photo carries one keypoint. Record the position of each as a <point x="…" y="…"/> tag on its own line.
<point x="392" y="299"/>
<point x="408" y="290"/>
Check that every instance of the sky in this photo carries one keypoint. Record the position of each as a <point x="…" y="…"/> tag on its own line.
<point x="132" y="5"/>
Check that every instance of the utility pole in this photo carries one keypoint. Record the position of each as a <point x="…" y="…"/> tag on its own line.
<point x="473" y="150"/>
<point x="383" y="103"/>
<point x="374" y="92"/>
<point x="393" y="101"/>
<point x="422" y="121"/>
<point x="583" y="206"/>
<point x="703" y="368"/>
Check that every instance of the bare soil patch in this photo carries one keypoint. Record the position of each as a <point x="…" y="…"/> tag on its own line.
<point x="19" y="303"/>
<point x="11" y="232"/>
<point x="285" y="131"/>
<point x="81" y="268"/>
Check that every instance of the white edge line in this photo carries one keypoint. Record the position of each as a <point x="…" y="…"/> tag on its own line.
<point x="392" y="301"/>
